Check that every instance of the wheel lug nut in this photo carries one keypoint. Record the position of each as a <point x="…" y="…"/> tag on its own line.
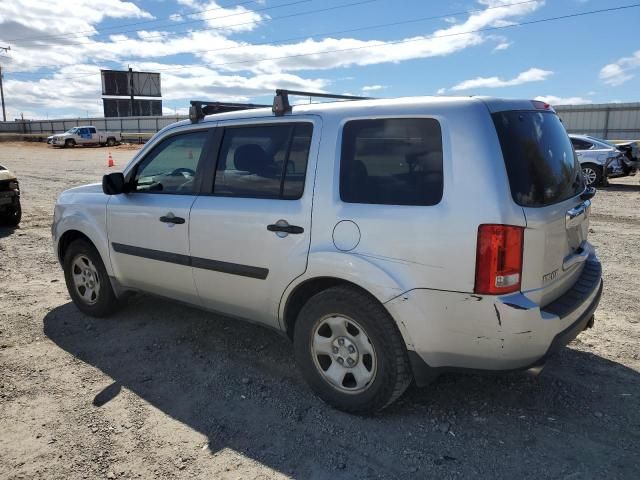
<point x="341" y="341"/>
<point x="352" y="349"/>
<point x="350" y="362"/>
<point x="334" y="349"/>
<point x="340" y="360"/>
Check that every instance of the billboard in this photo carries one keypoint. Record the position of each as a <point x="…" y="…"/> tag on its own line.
<point x="118" y="83"/>
<point x="121" y="107"/>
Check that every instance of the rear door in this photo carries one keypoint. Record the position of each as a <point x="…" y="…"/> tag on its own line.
<point x="249" y="237"/>
<point x="546" y="181"/>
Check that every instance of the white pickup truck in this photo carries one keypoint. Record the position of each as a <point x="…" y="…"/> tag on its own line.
<point x="85" y="135"/>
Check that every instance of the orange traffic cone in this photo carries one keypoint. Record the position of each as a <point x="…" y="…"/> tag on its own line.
<point x="110" y="162"/>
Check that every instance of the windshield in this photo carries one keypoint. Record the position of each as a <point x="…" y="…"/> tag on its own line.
<point x="541" y="163"/>
<point x="73" y="130"/>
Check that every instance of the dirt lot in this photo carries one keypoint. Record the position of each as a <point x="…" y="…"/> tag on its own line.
<point x="162" y="390"/>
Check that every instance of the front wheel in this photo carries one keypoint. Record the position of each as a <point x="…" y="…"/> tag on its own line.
<point x="12" y="216"/>
<point x="87" y="280"/>
<point x="592" y="174"/>
<point x="69" y="143"/>
<point x="350" y="351"/>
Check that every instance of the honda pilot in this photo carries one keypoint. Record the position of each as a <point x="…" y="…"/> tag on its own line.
<point x="390" y="240"/>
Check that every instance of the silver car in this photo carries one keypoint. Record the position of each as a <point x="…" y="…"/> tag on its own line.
<point x="598" y="158"/>
<point x="390" y="240"/>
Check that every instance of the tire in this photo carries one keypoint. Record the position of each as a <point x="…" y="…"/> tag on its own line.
<point x="592" y="174"/>
<point x="13" y="216"/>
<point x="87" y="280"/>
<point x="111" y="142"/>
<point x="342" y="319"/>
<point x="69" y="142"/>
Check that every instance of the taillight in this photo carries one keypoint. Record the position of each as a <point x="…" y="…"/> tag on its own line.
<point x="499" y="259"/>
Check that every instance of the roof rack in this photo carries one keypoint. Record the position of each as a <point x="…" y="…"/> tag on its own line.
<point x="281" y="103"/>
<point x="201" y="108"/>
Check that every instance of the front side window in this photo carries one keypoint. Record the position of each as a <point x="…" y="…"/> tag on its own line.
<point x="579" y="144"/>
<point x="171" y="166"/>
<point x="263" y="161"/>
<point x="395" y="161"/>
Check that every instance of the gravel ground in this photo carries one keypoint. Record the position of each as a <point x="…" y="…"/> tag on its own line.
<point x="165" y="391"/>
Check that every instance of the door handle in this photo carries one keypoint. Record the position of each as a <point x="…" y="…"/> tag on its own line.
<point x="172" y="219"/>
<point x="275" y="227"/>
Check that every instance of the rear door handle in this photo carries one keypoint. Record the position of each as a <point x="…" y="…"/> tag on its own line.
<point x="170" y="218"/>
<point x="274" y="227"/>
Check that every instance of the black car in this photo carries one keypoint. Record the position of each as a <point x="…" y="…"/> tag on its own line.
<point x="10" y="209"/>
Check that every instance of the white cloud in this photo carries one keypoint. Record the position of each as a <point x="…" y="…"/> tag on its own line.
<point x="373" y="88"/>
<point x="619" y="72"/>
<point x="224" y="67"/>
<point x="531" y="75"/>
<point x="441" y="91"/>
<point x="502" y="46"/>
<point x="553" y="100"/>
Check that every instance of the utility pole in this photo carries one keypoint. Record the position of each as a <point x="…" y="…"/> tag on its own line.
<point x="131" y="103"/>
<point x="4" y="113"/>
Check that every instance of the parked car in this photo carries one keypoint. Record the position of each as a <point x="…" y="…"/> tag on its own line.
<point x="599" y="159"/>
<point x="417" y="261"/>
<point x="631" y="153"/>
<point x="86" y="135"/>
<point x="10" y="208"/>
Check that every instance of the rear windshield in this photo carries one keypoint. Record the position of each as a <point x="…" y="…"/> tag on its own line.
<point x="541" y="164"/>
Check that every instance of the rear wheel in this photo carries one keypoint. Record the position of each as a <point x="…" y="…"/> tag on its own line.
<point x="111" y="142"/>
<point x="592" y="174"/>
<point x="350" y="351"/>
<point x="87" y="280"/>
<point x="69" y="142"/>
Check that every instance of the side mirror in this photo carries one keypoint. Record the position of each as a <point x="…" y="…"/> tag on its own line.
<point x="113" y="183"/>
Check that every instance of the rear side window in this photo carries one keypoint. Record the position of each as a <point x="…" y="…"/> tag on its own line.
<point x="263" y="161"/>
<point x="541" y="164"/>
<point x="579" y="144"/>
<point x="395" y="161"/>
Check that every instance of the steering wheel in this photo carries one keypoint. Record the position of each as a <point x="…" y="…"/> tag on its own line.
<point x="182" y="171"/>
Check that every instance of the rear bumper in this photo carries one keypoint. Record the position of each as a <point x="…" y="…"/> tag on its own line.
<point x="455" y="331"/>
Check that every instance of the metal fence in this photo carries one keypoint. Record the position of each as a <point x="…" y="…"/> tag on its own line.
<point x="619" y="121"/>
<point x="615" y="121"/>
<point x="125" y="125"/>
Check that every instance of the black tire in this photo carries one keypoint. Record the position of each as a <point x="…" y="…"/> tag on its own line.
<point x="111" y="142"/>
<point x="69" y="142"/>
<point x="393" y="373"/>
<point x="106" y="301"/>
<point x="13" y="216"/>
<point x="594" y="172"/>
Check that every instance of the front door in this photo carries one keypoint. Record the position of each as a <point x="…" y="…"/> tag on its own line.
<point x="148" y="228"/>
<point x="250" y="235"/>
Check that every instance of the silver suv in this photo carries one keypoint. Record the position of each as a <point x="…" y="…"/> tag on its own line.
<point x="390" y="240"/>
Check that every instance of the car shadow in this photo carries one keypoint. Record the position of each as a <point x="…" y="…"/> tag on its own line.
<point x="7" y="231"/>
<point x="621" y="187"/>
<point x="237" y="384"/>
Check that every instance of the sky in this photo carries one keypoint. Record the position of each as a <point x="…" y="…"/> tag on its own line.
<point x="241" y="50"/>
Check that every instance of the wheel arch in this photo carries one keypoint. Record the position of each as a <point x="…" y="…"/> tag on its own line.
<point x="306" y="289"/>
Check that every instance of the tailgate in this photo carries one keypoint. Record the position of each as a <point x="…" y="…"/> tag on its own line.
<point x="546" y="180"/>
<point x="555" y="249"/>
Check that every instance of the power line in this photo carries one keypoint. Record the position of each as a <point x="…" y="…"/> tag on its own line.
<point x="400" y="42"/>
<point x="335" y="32"/>
<point x="171" y="17"/>
<point x="227" y="27"/>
